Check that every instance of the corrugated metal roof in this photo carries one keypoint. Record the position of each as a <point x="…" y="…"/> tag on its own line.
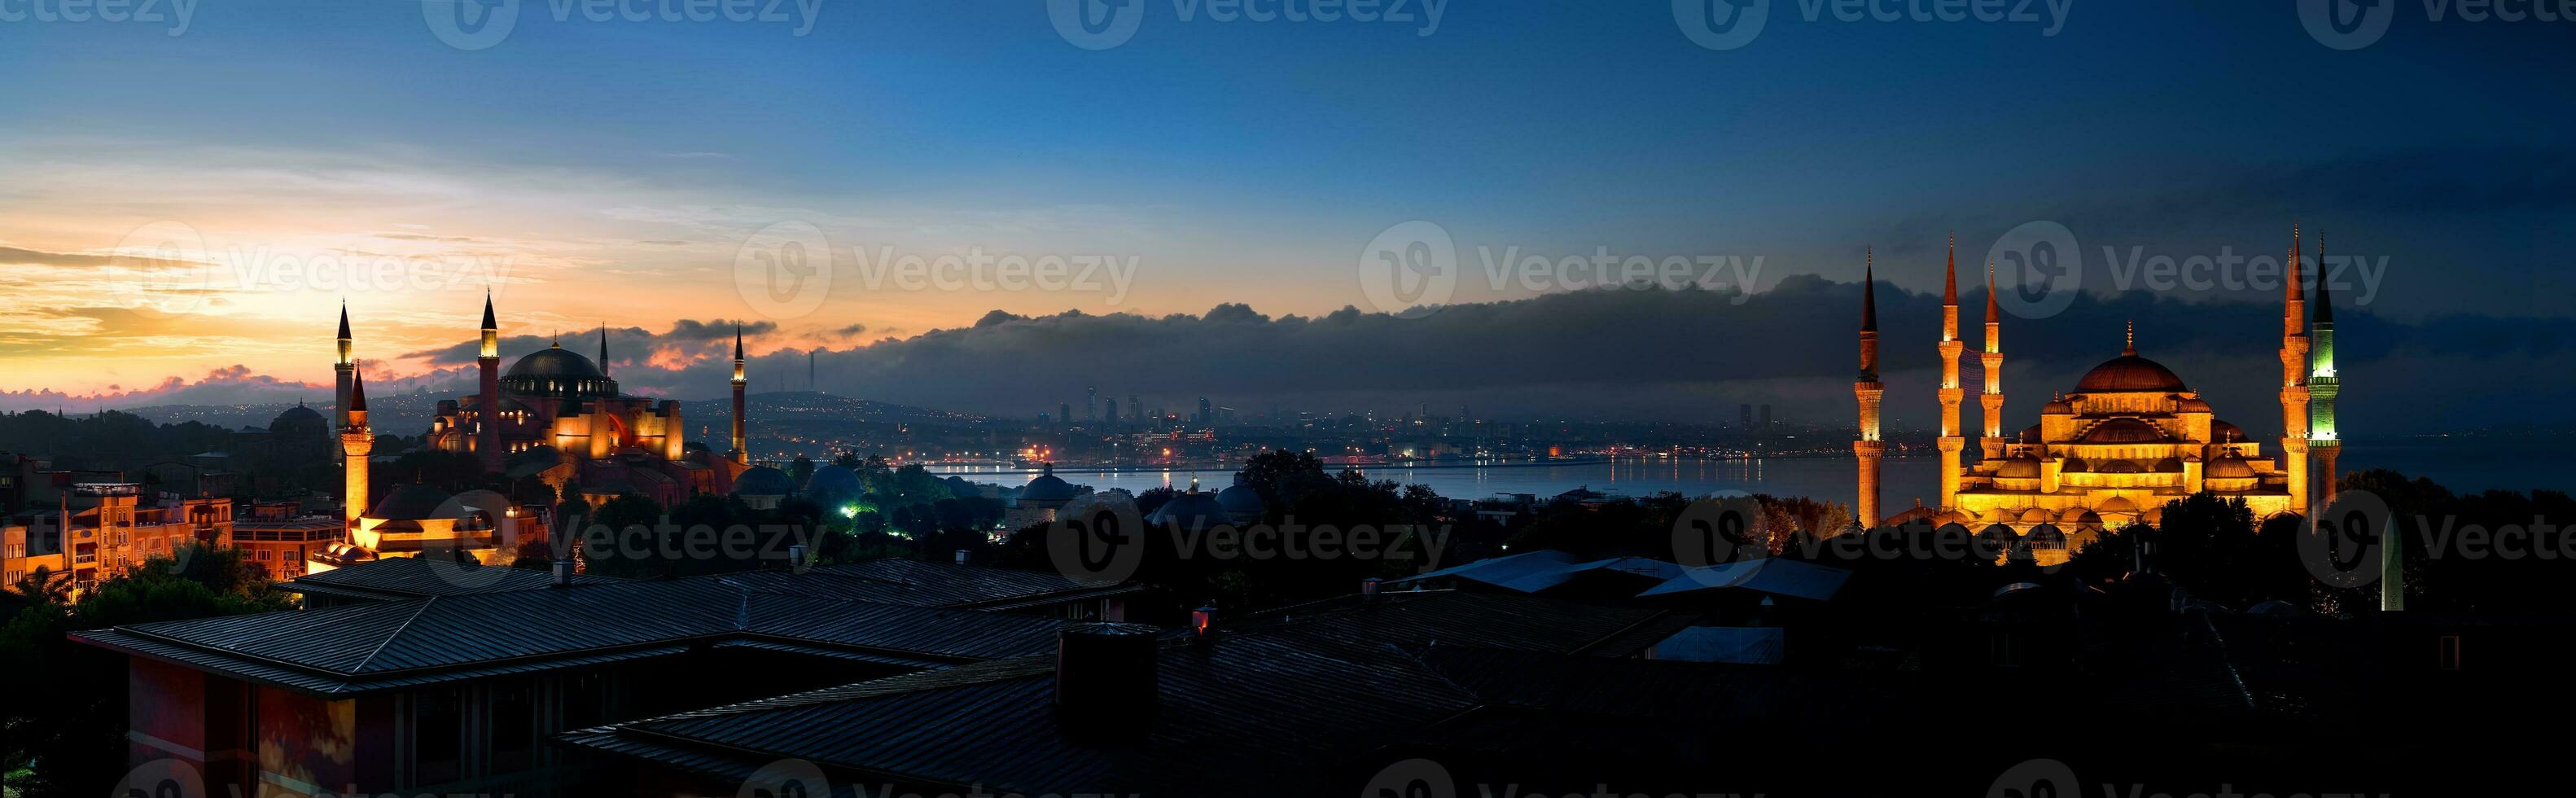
<point x="1497" y="620"/>
<point x="343" y="649"/>
<point x="1773" y="575"/>
<point x="412" y="577"/>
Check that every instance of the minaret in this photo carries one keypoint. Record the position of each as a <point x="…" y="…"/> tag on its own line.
<point x="603" y="349"/>
<point x="487" y="413"/>
<point x="1868" y="391"/>
<point x="356" y="442"/>
<point x="2322" y="385"/>
<point x="1993" y="360"/>
<point x="343" y="369"/>
<point x="1951" y="394"/>
<point x="741" y="452"/>
<point x="2294" y="378"/>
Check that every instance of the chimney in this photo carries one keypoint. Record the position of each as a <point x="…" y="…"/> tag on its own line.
<point x="1203" y="622"/>
<point x="796" y="558"/>
<point x="961" y="556"/>
<point x="1368" y="588"/>
<point x="1106" y="685"/>
<point x="563" y="573"/>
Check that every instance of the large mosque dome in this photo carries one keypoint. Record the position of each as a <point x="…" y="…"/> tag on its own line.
<point x="2129" y="373"/>
<point x="556" y="371"/>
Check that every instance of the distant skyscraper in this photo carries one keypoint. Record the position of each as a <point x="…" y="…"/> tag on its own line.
<point x="1109" y="415"/>
<point x="1091" y="404"/>
<point x="1207" y="411"/>
<point x="1135" y="408"/>
<point x="1766" y="415"/>
<point x="1747" y="411"/>
<point x="1064" y="410"/>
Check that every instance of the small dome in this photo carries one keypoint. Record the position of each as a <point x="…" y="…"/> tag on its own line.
<point x="2129" y="373"/>
<point x="1999" y="515"/>
<point x="294" y="414"/>
<point x="2223" y="432"/>
<point x="1240" y="499"/>
<point x="2034" y="516"/>
<point x="2020" y="466"/>
<point x="2118" y="504"/>
<point x="2057" y="407"/>
<point x="2123" y="430"/>
<point x="2229" y="465"/>
<point x="2169" y="465"/>
<point x="834" y="482"/>
<point x="2191" y="405"/>
<point x="1193" y="510"/>
<point x="1951" y="518"/>
<point x="764" y="481"/>
<point x="2072" y="515"/>
<point x="1048" y="488"/>
<point x="415" y="503"/>
<point x="2075" y="465"/>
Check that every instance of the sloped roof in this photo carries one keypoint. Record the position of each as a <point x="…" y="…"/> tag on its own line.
<point x="1488" y="619"/>
<point x="1740" y="645"/>
<point x="993" y="724"/>
<point x="416" y="577"/>
<point x="363" y="647"/>
<point x="1774" y="575"/>
<point x="927" y="584"/>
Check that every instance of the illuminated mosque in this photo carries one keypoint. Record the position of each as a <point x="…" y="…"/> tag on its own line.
<point x="2129" y="438"/>
<point x="555" y="415"/>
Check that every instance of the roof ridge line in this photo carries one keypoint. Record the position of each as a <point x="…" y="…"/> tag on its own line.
<point x="389" y="639"/>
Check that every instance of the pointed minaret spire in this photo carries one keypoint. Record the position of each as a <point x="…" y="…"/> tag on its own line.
<point x="1950" y="274"/>
<point x="603" y="347"/>
<point x="489" y="322"/>
<point x="358" y="399"/>
<point x="2129" y="342"/>
<point x="2291" y="267"/>
<point x="1869" y="291"/>
<point x="1994" y="314"/>
<point x="2325" y="299"/>
<point x="344" y="318"/>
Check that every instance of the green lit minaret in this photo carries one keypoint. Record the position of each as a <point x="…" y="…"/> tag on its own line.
<point x="2323" y="444"/>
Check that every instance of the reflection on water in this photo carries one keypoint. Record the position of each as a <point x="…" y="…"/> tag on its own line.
<point x="2465" y="466"/>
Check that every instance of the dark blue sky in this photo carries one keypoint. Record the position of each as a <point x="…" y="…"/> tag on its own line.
<point x="1249" y="162"/>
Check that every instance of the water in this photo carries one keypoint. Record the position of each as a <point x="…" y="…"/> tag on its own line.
<point x="2464" y="467"/>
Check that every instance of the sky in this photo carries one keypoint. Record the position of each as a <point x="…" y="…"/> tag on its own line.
<point x="957" y="204"/>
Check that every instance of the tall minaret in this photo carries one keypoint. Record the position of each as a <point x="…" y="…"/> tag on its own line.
<point x="1993" y="360"/>
<point x="741" y="451"/>
<point x="344" y="369"/>
<point x="1951" y="394"/>
<point x="2294" y="378"/>
<point x="603" y="349"/>
<point x="2322" y="385"/>
<point x="356" y="442"/>
<point x="487" y="415"/>
<point x="1868" y="391"/>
